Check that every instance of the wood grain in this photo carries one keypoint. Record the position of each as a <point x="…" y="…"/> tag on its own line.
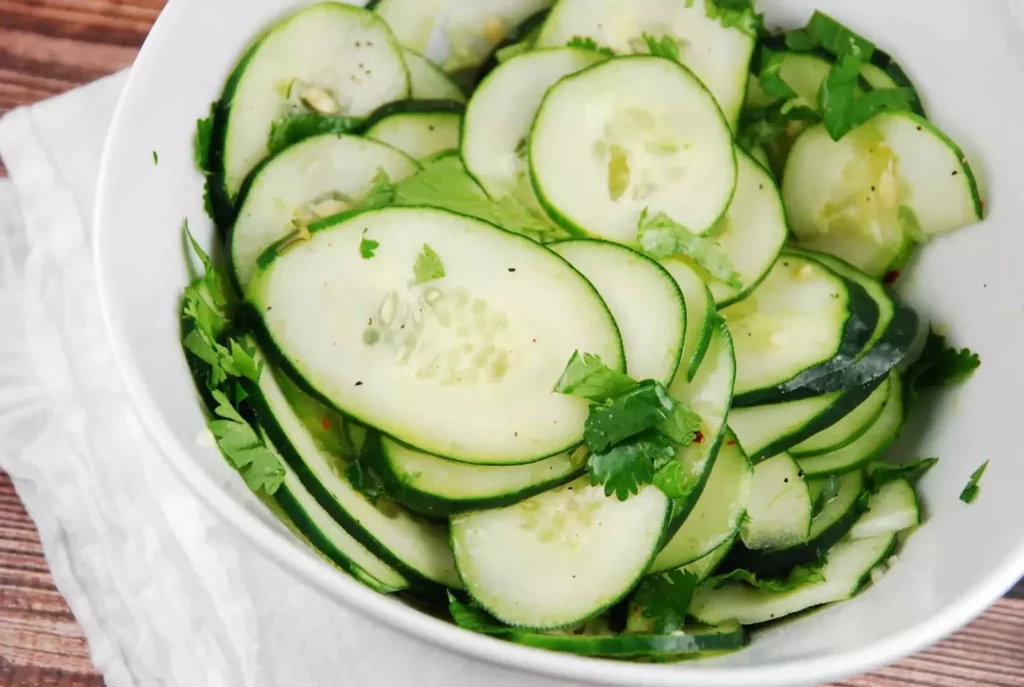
<point x="50" y="46"/>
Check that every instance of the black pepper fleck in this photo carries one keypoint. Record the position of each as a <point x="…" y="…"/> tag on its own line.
<point x="786" y="480"/>
<point x="919" y="128"/>
<point x="430" y="128"/>
<point x="359" y="383"/>
<point x="511" y="269"/>
<point x="955" y="173"/>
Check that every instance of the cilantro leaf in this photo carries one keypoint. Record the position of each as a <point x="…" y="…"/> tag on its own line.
<point x="625" y="468"/>
<point x="825" y="32"/>
<point x="800" y="575"/>
<point x="156" y="158"/>
<point x="880" y="473"/>
<point x="365" y="480"/>
<point x="428" y="266"/>
<point x="367" y="247"/>
<point x="660" y="237"/>
<point x="587" y="43"/>
<point x="381" y="194"/>
<point x="293" y="128"/>
<point x="245" y="362"/>
<point x="666" y="47"/>
<point x="647" y="406"/>
<point x="677" y="479"/>
<point x="842" y="110"/>
<point x="737" y="14"/>
<point x="203" y="141"/>
<point x="798" y="40"/>
<point x="666" y="599"/>
<point x="970" y="491"/>
<point x="244" y="448"/>
<point x="588" y="377"/>
<point x="770" y="77"/>
<point x="939" y="365"/>
<point x="471" y="617"/>
<point x="212" y="280"/>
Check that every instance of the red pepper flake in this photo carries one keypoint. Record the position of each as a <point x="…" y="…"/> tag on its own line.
<point x="730" y="443"/>
<point x="891" y="277"/>
<point x="698" y="438"/>
<point x="325" y="424"/>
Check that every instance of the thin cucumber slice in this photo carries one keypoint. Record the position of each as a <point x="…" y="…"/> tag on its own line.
<point x="695" y="642"/>
<point x="717" y="54"/>
<point x="847" y="571"/>
<point x="317" y="178"/>
<point x="473" y="354"/>
<point x="895" y="178"/>
<point x="560" y="557"/>
<point x="707" y="565"/>
<point x="767" y="430"/>
<point x="427" y="81"/>
<point x="829" y="526"/>
<point x="644" y="299"/>
<point x="438" y="487"/>
<point x="322" y="55"/>
<point x="700" y="317"/>
<point x="879" y="436"/>
<point x="760" y="156"/>
<point x="779" y="510"/>
<point x="847" y="430"/>
<point x="801" y="322"/>
<point x="420" y="129"/>
<point x="597" y="174"/>
<point x="884" y="72"/>
<point x="412" y="545"/>
<point x="501" y="112"/>
<point x="893" y="508"/>
<point x="752" y="232"/>
<point x="315" y="525"/>
<point x="716" y="517"/>
<point x="458" y="34"/>
<point x="709" y="395"/>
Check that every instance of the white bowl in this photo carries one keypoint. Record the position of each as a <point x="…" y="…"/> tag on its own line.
<point x="966" y="57"/>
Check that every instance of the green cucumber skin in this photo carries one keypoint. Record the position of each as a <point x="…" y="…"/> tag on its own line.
<point x="778" y="562"/>
<point x="568" y="224"/>
<point x="705" y="339"/>
<point x="438" y="507"/>
<point x="887" y="64"/>
<point x="825" y="377"/>
<point x="519" y="34"/>
<point x="690" y="644"/>
<point x="411" y="106"/>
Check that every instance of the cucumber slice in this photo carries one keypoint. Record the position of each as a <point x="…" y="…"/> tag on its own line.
<point x="847" y="571"/>
<point x="700" y="317"/>
<point x="472" y="355"/>
<point x="717" y="54"/>
<point x="420" y="129"/>
<point x="427" y="81"/>
<point x="767" y="430"/>
<point x="884" y="72"/>
<point x="847" y="430"/>
<point x="779" y="511"/>
<point x="893" y="179"/>
<point x="716" y="517"/>
<point x="707" y="565"/>
<point x="560" y="557"/>
<point x="438" y="487"/>
<point x="608" y="144"/>
<point x="501" y="112"/>
<point x="829" y="526"/>
<point x="893" y="508"/>
<point x="879" y="436"/>
<point x="315" y="525"/>
<point x="459" y="34"/>
<point x="322" y="54"/>
<point x="709" y="395"/>
<point x="317" y="178"/>
<point x="644" y="300"/>
<point x="415" y="547"/>
<point x="801" y="322"/>
<point x="691" y="642"/>
<point x="752" y="232"/>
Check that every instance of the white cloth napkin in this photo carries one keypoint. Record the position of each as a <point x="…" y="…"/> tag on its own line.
<point x="166" y="593"/>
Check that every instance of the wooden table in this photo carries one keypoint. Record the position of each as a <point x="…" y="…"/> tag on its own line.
<point x="49" y="46"/>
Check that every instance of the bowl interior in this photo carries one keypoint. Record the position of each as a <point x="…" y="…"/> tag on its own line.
<point x="966" y="59"/>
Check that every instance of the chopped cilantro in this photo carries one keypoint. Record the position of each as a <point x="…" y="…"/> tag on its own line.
<point x="367" y="247"/>
<point x="625" y="468"/>
<point x="770" y="77"/>
<point x="660" y="237"/>
<point x="799" y="576"/>
<point x="824" y="32"/>
<point x="203" y="141"/>
<point x="880" y="473"/>
<point x="799" y="40"/>
<point x="666" y="598"/>
<point x="647" y="406"/>
<point x="666" y="47"/>
<point x="381" y="194"/>
<point x="428" y="266"/>
<point x="587" y="43"/>
<point x="970" y="492"/>
<point x="587" y="376"/>
<point x="737" y="14"/>
<point x="244" y="448"/>
<point x="938" y="366"/>
<point x="156" y="158"/>
<point x="294" y="128"/>
<point x="842" y="110"/>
